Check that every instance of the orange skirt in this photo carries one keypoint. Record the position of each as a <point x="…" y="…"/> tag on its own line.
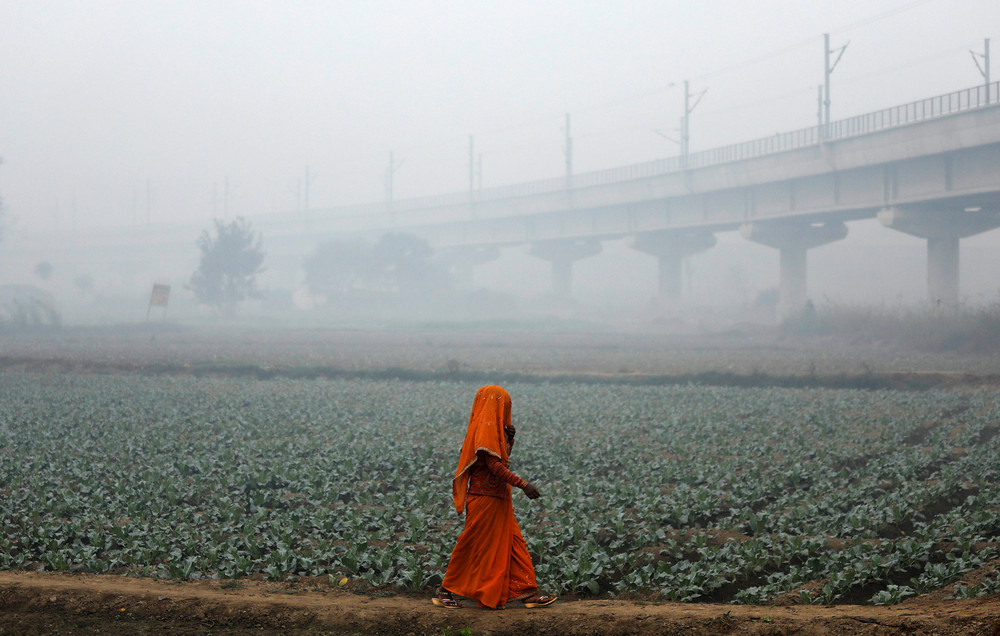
<point x="490" y="562"/>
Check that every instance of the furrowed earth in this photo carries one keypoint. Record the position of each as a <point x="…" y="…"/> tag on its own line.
<point x="44" y="602"/>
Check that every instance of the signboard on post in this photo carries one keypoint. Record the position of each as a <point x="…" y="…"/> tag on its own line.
<point x="160" y="298"/>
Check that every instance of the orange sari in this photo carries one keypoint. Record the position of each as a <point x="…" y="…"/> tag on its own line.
<point x="490" y="562"/>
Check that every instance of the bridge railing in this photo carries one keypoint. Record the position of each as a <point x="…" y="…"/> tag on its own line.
<point x="948" y="104"/>
<point x="930" y="108"/>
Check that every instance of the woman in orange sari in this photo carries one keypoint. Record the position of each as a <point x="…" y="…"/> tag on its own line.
<point x="490" y="562"/>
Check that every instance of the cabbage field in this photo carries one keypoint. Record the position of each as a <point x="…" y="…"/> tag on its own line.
<point x="678" y="492"/>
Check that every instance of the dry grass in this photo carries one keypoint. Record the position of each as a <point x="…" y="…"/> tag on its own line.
<point x="967" y="330"/>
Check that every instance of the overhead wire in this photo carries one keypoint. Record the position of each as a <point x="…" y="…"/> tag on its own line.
<point x="544" y="119"/>
<point x="881" y="16"/>
<point x="766" y="100"/>
<point x="923" y="60"/>
<point x="661" y="88"/>
<point x="811" y="40"/>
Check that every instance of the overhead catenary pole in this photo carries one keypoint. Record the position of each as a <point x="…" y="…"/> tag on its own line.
<point x="305" y="189"/>
<point x="819" y="105"/>
<point x="827" y="71"/>
<point x="684" y="123"/>
<point x="686" y="120"/>
<point x="826" y="80"/>
<point x="390" y="171"/>
<point x="388" y="178"/>
<point x="984" y="69"/>
<point x="472" y="166"/>
<point x="569" y="153"/>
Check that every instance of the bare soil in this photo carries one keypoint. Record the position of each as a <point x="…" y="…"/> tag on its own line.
<point x="750" y="357"/>
<point x="47" y="603"/>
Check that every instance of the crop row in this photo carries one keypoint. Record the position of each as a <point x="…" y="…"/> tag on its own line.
<point x="688" y="493"/>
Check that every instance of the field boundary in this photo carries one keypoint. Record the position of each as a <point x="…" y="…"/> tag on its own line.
<point x="910" y="381"/>
<point x="121" y="604"/>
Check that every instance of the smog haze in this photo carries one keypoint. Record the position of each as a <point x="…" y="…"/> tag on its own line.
<point x="122" y="115"/>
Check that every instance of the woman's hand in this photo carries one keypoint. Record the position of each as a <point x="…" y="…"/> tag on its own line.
<point x="509" y="431"/>
<point x="531" y="491"/>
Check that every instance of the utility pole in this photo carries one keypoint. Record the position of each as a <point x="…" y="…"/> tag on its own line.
<point x="827" y="71"/>
<point x="984" y="70"/>
<point x="389" y="172"/>
<point x="149" y="197"/>
<point x="472" y="167"/>
<point x="225" y="197"/>
<point x="819" y="106"/>
<point x="305" y="195"/>
<point x="569" y="153"/>
<point x="387" y="179"/>
<point x="685" y="131"/>
<point x="686" y="120"/>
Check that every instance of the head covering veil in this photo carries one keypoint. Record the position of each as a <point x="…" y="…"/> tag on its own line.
<point x="490" y="413"/>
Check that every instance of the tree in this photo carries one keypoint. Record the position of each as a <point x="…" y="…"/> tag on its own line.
<point x="403" y="262"/>
<point x="230" y="262"/>
<point x="336" y="267"/>
<point x="84" y="282"/>
<point x="43" y="270"/>
<point x="398" y="263"/>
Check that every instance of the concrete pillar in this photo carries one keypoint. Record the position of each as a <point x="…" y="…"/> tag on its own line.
<point x="942" y="270"/>
<point x="793" y="239"/>
<point x="561" y="253"/>
<point x="670" y="249"/>
<point x="793" y="267"/>
<point x="462" y="260"/>
<point x="670" y="280"/>
<point x="943" y="231"/>
<point x="562" y="277"/>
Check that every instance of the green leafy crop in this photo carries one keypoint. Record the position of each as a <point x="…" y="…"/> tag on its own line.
<point x="682" y="493"/>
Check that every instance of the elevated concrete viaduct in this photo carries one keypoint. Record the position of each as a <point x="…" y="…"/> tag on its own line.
<point x="930" y="168"/>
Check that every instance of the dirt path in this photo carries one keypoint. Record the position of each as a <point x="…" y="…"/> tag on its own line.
<point x="43" y="603"/>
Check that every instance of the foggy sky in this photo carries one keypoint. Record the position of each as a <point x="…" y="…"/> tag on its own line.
<point x="106" y="103"/>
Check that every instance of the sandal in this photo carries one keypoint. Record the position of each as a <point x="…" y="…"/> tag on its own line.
<point x="445" y="599"/>
<point x="539" y="601"/>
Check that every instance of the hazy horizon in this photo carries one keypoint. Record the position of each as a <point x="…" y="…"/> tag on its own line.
<point x="146" y="121"/>
<point x="115" y="111"/>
